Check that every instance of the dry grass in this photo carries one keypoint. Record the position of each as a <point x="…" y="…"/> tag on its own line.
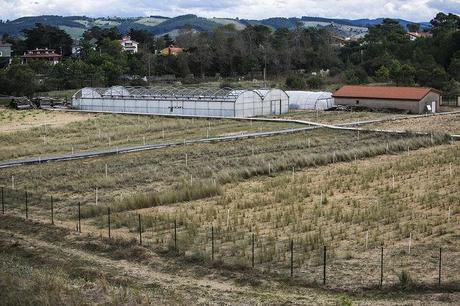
<point x="442" y="124"/>
<point x="341" y="190"/>
<point x="106" y="131"/>
<point x="14" y="120"/>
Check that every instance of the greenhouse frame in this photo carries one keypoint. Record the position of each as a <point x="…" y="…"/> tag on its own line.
<point x="313" y="100"/>
<point x="182" y="101"/>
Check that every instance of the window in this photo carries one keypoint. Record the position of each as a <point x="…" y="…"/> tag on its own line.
<point x="357" y="101"/>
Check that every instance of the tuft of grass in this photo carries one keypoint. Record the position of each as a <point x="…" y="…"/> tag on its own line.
<point x="405" y="280"/>
<point x="195" y="190"/>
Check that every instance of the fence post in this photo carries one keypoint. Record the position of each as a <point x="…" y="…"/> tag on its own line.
<point x="140" y="229"/>
<point x="440" y="265"/>
<point x="253" y="249"/>
<point x="27" y="206"/>
<point x="3" y="202"/>
<point x="108" y="220"/>
<point x="212" y="243"/>
<point x="52" y="211"/>
<point x="79" y="218"/>
<point x="381" y="267"/>
<point x="324" y="265"/>
<point x="175" y="235"/>
<point x="292" y="257"/>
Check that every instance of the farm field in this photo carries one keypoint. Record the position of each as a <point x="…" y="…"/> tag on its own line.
<point x="15" y="121"/>
<point x="334" y="117"/>
<point x="444" y="124"/>
<point x="351" y="192"/>
<point x="46" y="132"/>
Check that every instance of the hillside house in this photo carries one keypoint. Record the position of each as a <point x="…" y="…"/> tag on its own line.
<point x="128" y="45"/>
<point x="48" y="55"/>
<point x="171" y="50"/>
<point x="416" y="35"/>
<point x="5" y="54"/>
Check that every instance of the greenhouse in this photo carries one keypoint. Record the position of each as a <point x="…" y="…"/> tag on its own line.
<point x="316" y="100"/>
<point x="182" y="101"/>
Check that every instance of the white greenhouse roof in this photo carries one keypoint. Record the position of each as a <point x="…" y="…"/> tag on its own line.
<point x="162" y="92"/>
<point x="310" y="99"/>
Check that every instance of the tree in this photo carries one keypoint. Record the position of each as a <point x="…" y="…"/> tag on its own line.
<point x="110" y="47"/>
<point x="413" y="27"/>
<point x="100" y="34"/>
<point x="315" y="82"/>
<point x="20" y="80"/>
<point x="355" y="75"/>
<point x="382" y="74"/>
<point x="454" y="67"/>
<point x="443" y="23"/>
<point x="45" y="36"/>
<point x="402" y="74"/>
<point x="295" y="82"/>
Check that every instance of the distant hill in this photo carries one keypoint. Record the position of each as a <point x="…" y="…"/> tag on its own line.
<point x="158" y="25"/>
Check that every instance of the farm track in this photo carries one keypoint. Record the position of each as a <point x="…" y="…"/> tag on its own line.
<point x="350" y="126"/>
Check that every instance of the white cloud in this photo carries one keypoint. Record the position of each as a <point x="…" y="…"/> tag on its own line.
<point x="416" y="10"/>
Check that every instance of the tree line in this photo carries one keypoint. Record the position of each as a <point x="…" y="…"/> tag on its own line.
<point x="385" y="55"/>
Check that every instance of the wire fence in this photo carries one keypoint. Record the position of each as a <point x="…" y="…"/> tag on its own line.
<point x="341" y="267"/>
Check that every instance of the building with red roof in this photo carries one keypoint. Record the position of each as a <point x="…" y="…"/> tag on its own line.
<point x="48" y="55"/>
<point x="415" y="100"/>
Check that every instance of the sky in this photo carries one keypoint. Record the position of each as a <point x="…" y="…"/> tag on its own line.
<point x="413" y="10"/>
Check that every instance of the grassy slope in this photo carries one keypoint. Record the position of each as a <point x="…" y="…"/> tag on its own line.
<point x="275" y="204"/>
<point x="47" y="265"/>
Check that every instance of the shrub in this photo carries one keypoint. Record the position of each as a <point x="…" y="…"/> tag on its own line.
<point x="405" y="281"/>
<point x="295" y="82"/>
<point x="315" y="82"/>
<point x="344" y="300"/>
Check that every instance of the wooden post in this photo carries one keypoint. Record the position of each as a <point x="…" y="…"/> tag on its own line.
<point x="292" y="258"/>
<point x="324" y="265"/>
<point x="381" y="267"/>
<point x="140" y="229"/>
<point x="79" y="218"/>
<point x="3" y="202"/>
<point x="212" y="243"/>
<point x="253" y="249"/>
<point x="108" y="220"/>
<point x="410" y="241"/>
<point x="440" y="265"/>
<point x="27" y="206"/>
<point x="52" y="211"/>
<point x="367" y="238"/>
<point x="175" y="235"/>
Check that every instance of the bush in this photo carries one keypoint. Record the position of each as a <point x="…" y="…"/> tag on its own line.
<point x="344" y="300"/>
<point x="315" y="82"/>
<point x="356" y="75"/>
<point x="295" y="82"/>
<point x="405" y="281"/>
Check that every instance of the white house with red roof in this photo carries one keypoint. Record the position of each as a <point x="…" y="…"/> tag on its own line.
<point x="128" y="45"/>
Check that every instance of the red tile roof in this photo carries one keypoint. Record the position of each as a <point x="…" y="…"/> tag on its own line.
<point x="384" y="92"/>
